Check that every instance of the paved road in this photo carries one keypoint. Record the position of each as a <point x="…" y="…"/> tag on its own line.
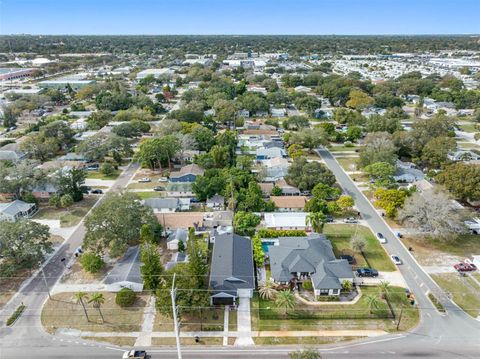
<point x="455" y="335"/>
<point x="456" y="325"/>
<point x="28" y="328"/>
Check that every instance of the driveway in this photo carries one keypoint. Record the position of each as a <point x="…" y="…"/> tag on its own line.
<point x="126" y="269"/>
<point x="244" y="320"/>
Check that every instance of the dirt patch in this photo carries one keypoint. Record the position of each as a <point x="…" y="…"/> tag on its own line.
<point x="76" y="275"/>
<point x="9" y="286"/>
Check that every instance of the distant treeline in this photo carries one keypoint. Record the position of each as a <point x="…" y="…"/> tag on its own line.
<point x="295" y="45"/>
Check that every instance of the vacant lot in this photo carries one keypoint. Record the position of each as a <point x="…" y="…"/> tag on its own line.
<point x="267" y="316"/>
<point x="101" y="176"/>
<point x="374" y="255"/>
<point x="463" y="290"/>
<point x="68" y="216"/>
<point x="62" y="312"/>
<point x="208" y="319"/>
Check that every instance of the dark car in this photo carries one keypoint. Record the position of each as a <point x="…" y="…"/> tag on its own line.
<point x="350" y="259"/>
<point x="97" y="191"/>
<point x="159" y="188"/>
<point x="328" y="219"/>
<point x="86" y="189"/>
<point x="367" y="272"/>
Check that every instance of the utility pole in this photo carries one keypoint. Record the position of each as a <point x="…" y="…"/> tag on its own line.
<point x="175" y="322"/>
<point x="45" y="281"/>
<point x="400" y="317"/>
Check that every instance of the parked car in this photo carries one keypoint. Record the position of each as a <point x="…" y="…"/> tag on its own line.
<point x="381" y="238"/>
<point x="396" y="259"/>
<point x="367" y="272"/>
<point x="465" y="267"/>
<point x="350" y="259"/>
<point x="97" y="191"/>
<point x="144" y="180"/>
<point x="159" y="188"/>
<point x="86" y="189"/>
<point x="350" y="220"/>
<point x="163" y="179"/>
<point x="135" y="354"/>
<point x="93" y="167"/>
<point x="328" y="219"/>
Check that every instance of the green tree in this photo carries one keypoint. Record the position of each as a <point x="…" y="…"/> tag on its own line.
<point x="316" y="220"/>
<point x="151" y="268"/>
<point x="379" y="147"/>
<point x="71" y="183"/>
<point x="358" y="99"/>
<point x="245" y="223"/>
<point x="345" y="203"/>
<point x="115" y="223"/>
<point x="107" y="169"/>
<point x="462" y="180"/>
<point x="258" y="253"/>
<point x="97" y="299"/>
<point x="98" y="119"/>
<point x="310" y="138"/>
<point x="305" y="175"/>
<point x="382" y="173"/>
<point x="276" y="191"/>
<point x="9" y="115"/>
<point x="66" y="201"/>
<point x="91" y="262"/>
<point x="390" y="200"/>
<point x="23" y="244"/>
<point x="80" y="297"/>
<point x="285" y="299"/>
<point x="372" y="301"/>
<point x="435" y="153"/>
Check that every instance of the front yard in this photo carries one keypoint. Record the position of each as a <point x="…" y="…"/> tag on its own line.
<point x="101" y="176"/>
<point x="68" y="216"/>
<point x="463" y="290"/>
<point x="266" y="316"/>
<point x="374" y="255"/>
<point x="62" y="312"/>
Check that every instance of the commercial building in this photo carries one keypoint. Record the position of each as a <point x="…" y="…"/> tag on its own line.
<point x="9" y="74"/>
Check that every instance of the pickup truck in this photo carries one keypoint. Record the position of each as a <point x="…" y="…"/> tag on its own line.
<point x="135" y="354"/>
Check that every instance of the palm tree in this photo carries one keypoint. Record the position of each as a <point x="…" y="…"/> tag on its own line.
<point x="98" y="299"/>
<point x="316" y="220"/>
<point x="385" y="288"/>
<point x="79" y="297"/>
<point x="372" y="302"/>
<point x="268" y="290"/>
<point x="285" y="299"/>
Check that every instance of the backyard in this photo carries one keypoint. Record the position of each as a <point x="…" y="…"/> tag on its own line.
<point x="374" y="255"/>
<point x="68" y="216"/>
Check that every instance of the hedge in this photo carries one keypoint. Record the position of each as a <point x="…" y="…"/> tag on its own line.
<point x="275" y="233"/>
<point x="15" y="315"/>
<point x="126" y="297"/>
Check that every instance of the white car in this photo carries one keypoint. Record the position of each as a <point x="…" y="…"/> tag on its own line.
<point x="396" y="259"/>
<point x="163" y="179"/>
<point x="381" y="238"/>
<point x="144" y="180"/>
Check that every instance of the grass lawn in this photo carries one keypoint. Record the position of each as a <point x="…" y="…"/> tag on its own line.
<point x="147" y="185"/>
<point x="62" y="312"/>
<point x="120" y="341"/>
<point x="188" y="341"/>
<point x="342" y="149"/>
<point x="210" y="319"/>
<point x="430" y="251"/>
<point x="468" y="127"/>
<point x="348" y="163"/>
<point x="266" y="316"/>
<point x="301" y="340"/>
<point x="68" y="216"/>
<point x="465" y="292"/>
<point x="150" y="194"/>
<point x="374" y="254"/>
<point x="101" y="176"/>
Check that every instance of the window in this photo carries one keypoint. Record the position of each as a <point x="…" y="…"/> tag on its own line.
<point x="335" y="292"/>
<point x="323" y="291"/>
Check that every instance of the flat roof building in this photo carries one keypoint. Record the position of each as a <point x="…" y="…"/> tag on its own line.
<point x="8" y="74"/>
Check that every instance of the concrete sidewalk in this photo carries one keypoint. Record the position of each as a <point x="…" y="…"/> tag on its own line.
<point x="244" y="321"/>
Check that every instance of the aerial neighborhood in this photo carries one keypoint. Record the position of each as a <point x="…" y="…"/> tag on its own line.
<point x="233" y="195"/>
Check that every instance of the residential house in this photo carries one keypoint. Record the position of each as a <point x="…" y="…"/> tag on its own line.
<point x="289" y="203"/>
<point x="217" y="219"/>
<point x="231" y="272"/>
<point x="177" y="236"/>
<point x="407" y="173"/>
<point x="11" y="152"/>
<point x="284" y="220"/>
<point x="72" y="156"/>
<point x="187" y="174"/>
<point x="266" y="188"/>
<point x="268" y="153"/>
<point x="243" y="113"/>
<point x="463" y="155"/>
<point x="287" y="190"/>
<point x="45" y="190"/>
<point x="167" y="205"/>
<point x="216" y="202"/>
<point x="309" y="259"/>
<point x="278" y="112"/>
<point x="13" y="211"/>
<point x="183" y="220"/>
<point x="179" y="189"/>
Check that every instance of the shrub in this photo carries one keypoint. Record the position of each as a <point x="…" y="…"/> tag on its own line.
<point x="54" y="200"/>
<point x="66" y="201"/>
<point x="348" y="144"/>
<point x="91" y="262"/>
<point x="29" y="198"/>
<point x="274" y="233"/>
<point x="107" y="169"/>
<point x="307" y="285"/>
<point x="126" y="297"/>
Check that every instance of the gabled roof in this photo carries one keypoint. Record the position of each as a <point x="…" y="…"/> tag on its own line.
<point x="161" y="203"/>
<point x="289" y="201"/>
<point x="313" y="255"/>
<point x="232" y="264"/>
<point x="189" y="169"/>
<point x="17" y="206"/>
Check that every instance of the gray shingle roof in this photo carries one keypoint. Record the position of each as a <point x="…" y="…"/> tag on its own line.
<point x="160" y="203"/>
<point x="232" y="264"/>
<point x="308" y="255"/>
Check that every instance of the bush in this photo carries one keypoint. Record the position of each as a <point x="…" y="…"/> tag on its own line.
<point x="66" y="201"/>
<point x="348" y="144"/>
<point x="307" y="285"/>
<point x="274" y="233"/>
<point x="29" y="198"/>
<point x="54" y="200"/>
<point x="126" y="297"/>
<point x="107" y="169"/>
<point x="91" y="262"/>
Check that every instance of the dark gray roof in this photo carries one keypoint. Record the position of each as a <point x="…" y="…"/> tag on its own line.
<point x="160" y="203"/>
<point x="232" y="264"/>
<point x="216" y="199"/>
<point x="180" y="234"/>
<point x="308" y="255"/>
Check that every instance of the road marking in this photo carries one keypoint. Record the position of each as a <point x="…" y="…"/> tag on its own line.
<point x="422" y="285"/>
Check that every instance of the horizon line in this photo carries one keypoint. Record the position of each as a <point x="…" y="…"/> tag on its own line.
<point x="257" y="34"/>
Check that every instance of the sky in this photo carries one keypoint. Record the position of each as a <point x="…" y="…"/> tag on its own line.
<point x="203" y="17"/>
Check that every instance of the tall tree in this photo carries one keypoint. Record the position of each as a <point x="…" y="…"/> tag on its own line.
<point x="80" y="297"/>
<point x="97" y="299"/>
<point x="286" y="300"/>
